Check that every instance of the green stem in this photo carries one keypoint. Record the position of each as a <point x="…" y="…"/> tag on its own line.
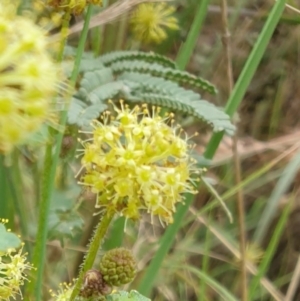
<point x="50" y="167"/>
<point x="92" y="251"/>
<point x="186" y="49"/>
<point x="271" y="249"/>
<point x="116" y="234"/>
<point x="15" y="183"/>
<point x="248" y="72"/>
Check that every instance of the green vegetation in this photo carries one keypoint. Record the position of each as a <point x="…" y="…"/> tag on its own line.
<point x="151" y="145"/>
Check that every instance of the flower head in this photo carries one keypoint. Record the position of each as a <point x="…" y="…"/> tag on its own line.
<point x="137" y="161"/>
<point x="76" y="6"/>
<point x="150" y="20"/>
<point x="13" y="265"/>
<point x="118" y="267"/>
<point x="28" y="79"/>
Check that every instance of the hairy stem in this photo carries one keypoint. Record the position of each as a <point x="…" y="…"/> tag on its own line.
<point x="92" y="251"/>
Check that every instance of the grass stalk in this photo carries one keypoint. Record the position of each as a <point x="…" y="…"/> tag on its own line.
<point x="270" y="210"/>
<point x="205" y="264"/>
<point x="6" y="210"/>
<point x="187" y="48"/>
<point x="116" y="235"/>
<point x="224" y="294"/>
<point x="271" y="249"/>
<point x="15" y="184"/>
<point x="248" y="72"/>
<point x="236" y="159"/>
<point x="50" y="165"/>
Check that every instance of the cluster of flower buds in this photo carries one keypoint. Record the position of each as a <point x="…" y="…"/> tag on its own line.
<point x="13" y="265"/>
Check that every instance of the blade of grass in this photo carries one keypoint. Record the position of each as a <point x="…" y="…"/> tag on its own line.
<point x="116" y="234"/>
<point x="270" y="210"/>
<point x="217" y="196"/>
<point x="224" y="294"/>
<point x="259" y="173"/>
<point x="187" y="48"/>
<point x="248" y="72"/>
<point x="294" y="282"/>
<point x="205" y="264"/>
<point x="15" y="184"/>
<point x="272" y="247"/>
<point x="6" y="208"/>
<point x="165" y="242"/>
<point x="235" y="99"/>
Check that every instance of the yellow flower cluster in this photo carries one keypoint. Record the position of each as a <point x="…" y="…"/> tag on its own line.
<point x="150" y="20"/>
<point x="12" y="272"/>
<point x="76" y="6"/>
<point x="137" y="161"/>
<point x="28" y="78"/>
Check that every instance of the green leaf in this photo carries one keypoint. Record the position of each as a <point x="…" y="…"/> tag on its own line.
<point x="178" y="76"/>
<point x="200" y="109"/>
<point x="132" y="77"/>
<point x="81" y="114"/>
<point x="158" y="85"/>
<point x="64" y="220"/>
<point x="8" y="240"/>
<point x="129" y="56"/>
<point x="94" y="79"/>
<point x="125" y="296"/>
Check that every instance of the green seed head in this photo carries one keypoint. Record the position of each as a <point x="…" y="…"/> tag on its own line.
<point x="118" y="267"/>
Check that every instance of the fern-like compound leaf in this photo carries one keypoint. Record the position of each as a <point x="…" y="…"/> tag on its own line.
<point x="201" y="109"/>
<point x="158" y="85"/>
<point x="82" y="114"/>
<point x="129" y="56"/>
<point x="181" y="77"/>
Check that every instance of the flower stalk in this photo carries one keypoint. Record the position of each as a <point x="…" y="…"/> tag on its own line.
<point x="92" y="251"/>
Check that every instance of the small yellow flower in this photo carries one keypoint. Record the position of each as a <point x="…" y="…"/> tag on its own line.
<point x="13" y="265"/>
<point x="76" y="6"/>
<point x="150" y="20"/>
<point x="137" y="161"/>
<point x="64" y="293"/>
<point x="28" y="78"/>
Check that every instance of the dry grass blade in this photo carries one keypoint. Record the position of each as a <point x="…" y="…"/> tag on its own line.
<point x="278" y="296"/>
<point x="250" y="147"/>
<point x="112" y="13"/>
<point x="294" y="282"/>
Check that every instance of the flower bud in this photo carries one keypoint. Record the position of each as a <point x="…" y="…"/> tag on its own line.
<point x="94" y="285"/>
